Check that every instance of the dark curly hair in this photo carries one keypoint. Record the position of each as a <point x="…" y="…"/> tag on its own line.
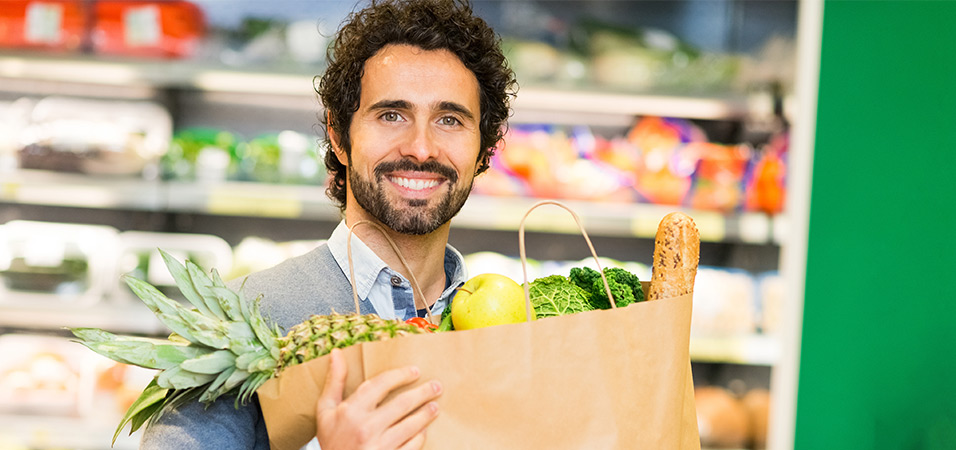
<point x="427" y="24"/>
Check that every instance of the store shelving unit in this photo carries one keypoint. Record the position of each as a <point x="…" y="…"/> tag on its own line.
<point x="309" y="202"/>
<point x="292" y="90"/>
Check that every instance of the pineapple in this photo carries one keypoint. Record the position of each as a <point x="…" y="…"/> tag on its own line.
<point x="222" y="345"/>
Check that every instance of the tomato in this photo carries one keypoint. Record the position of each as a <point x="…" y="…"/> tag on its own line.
<point x="420" y="322"/>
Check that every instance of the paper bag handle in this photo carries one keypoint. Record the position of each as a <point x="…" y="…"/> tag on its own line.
<point x="415" y="286"/>
<point x="524" y="259"/>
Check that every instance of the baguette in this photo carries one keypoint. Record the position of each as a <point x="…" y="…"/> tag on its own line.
<point x="676" y="256"/>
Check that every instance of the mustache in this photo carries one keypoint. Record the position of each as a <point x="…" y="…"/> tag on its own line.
<point x="409" y="165"/>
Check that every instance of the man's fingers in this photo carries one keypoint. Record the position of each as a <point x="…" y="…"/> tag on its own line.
<point x="334" y="381"/>
<point x="372" y="391"/>
<point x="410" y="432"/>
<point x="407" y="402"/>
<point x="415" y="443"/>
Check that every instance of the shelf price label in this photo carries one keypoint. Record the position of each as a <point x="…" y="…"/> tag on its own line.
<point x="711" y="225"/>
<point x="9" y="190"/>
<point x="237" y="202"/>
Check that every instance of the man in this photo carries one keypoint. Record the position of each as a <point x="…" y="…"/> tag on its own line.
<point x="417" y="97"/>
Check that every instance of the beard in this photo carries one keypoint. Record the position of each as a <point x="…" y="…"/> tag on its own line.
<point x="413" y="216"/>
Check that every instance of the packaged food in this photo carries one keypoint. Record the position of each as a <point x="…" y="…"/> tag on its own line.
<point x="96" y="137"/>
<point x="43" y="24"/>
<point x="45" y="264"/>
<point x="171" y="29"/>
<point x="45" y="375"/>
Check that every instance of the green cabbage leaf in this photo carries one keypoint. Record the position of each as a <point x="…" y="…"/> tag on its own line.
<point x="556" y="295"/>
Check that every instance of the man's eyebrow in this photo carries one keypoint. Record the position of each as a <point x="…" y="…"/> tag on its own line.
<point x="455" y="108"/>
<point x="391" y="104"/>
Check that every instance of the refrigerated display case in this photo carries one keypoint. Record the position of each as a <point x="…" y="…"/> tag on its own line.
<point x="246" y="77"/>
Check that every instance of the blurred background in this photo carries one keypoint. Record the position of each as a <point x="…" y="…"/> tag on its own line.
<point x="193" y="126"/>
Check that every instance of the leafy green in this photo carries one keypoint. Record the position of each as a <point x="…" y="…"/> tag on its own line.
<point x="625" y="286"/>
<point x="556" y="295"/>
<point x="446" y="324"/>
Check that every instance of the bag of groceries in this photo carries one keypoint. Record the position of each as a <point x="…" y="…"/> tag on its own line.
<point x="600" y="378"/>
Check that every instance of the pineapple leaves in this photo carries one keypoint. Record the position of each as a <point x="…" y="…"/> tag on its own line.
<point x="136" y="351"/>
<point x="148" y="403"/>
<point x="179" y="378"/>
<point x="181" y="275"/>
<point x="259" y="326"/>
<point x="230" y="301"/>
<point x="202" y="286"/>
<point x="210" y="363"/>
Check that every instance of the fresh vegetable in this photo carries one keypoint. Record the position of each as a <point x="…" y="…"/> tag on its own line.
<point x="556" y="295"/>
<point x="625" y="286"/>
<point x="422" y="323"/>
<point x="446" y="324"/>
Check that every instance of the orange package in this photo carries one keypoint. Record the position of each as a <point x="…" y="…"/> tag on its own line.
<point x="43" y="25"/>
<point x="170" y="29"/>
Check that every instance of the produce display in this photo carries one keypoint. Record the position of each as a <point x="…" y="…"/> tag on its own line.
<point x="214" y="155"/>
<point x="659" y="160"/>
<point x="223" y="345"/>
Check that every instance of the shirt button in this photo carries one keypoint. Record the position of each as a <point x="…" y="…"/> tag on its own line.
<point x="396" y="280"/>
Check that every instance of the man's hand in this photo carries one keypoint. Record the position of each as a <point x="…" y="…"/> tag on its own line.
<point x="362" y="421"/>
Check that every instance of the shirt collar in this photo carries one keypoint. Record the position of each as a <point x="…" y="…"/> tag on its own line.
<point x="368" y="265"/>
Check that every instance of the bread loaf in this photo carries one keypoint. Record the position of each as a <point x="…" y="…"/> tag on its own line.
<point x="676" y="255"/>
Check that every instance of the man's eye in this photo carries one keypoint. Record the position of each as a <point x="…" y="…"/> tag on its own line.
<point x="449" y="120"/>
<point x="391" y="117"/>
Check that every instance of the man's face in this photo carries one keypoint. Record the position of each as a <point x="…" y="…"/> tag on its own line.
<point x="415" y="138"/>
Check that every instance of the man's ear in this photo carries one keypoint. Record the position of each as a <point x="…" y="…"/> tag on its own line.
<point x="334" y="142"/>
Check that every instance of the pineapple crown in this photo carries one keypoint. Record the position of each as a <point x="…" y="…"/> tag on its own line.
<point x="222" y="345"/>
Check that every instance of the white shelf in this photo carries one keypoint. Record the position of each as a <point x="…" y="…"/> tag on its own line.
<point x="133" y="317"/>
<point x="752" y="349"/>
<point x="310" y="202"/>
<point x="20" y="70"/>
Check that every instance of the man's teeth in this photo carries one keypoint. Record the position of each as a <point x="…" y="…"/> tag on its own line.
<point x="414" y="184"/>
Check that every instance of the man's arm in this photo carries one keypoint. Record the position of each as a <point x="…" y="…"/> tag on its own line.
<point x="220" y="426"/>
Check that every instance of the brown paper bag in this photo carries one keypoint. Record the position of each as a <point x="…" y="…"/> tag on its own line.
<point x="606" y="379"/>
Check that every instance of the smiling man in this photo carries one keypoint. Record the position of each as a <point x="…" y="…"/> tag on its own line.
<point x="417" y="96"/>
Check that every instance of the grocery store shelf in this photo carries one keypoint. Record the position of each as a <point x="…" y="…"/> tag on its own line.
<point x="132" y="318"/>
<point x="754" y="349"/>
<point x="310" y="202"/>
<point x="45" y="431"/>
<point x="220" y="79"/>
<point x="37" y="187"/>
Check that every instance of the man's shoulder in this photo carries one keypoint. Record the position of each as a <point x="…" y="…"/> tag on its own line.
<point x="291" y="291"/>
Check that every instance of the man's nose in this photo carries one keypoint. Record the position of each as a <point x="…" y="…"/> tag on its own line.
<point x="421" y="144"/>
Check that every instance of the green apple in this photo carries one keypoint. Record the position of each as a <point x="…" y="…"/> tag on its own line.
<point x="488" y="299"/>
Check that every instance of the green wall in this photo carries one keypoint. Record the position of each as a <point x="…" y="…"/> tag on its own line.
<point x="878" y="357"/>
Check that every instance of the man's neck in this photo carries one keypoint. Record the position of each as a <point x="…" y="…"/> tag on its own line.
<point x="425" y="254"/>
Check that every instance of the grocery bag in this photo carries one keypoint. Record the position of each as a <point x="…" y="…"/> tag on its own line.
<point x="604" y="379"/>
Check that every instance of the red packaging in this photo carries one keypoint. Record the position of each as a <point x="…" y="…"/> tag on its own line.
<point x="170" y="29"/>
<point x="43" y="24"/>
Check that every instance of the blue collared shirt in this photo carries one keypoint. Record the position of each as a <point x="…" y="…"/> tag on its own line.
<point x="388" y="291"/>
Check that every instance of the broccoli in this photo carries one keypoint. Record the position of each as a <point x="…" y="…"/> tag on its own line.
<point x="625" y="286"/>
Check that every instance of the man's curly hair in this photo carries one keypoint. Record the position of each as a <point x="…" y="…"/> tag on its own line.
<point x="429" y="25"/>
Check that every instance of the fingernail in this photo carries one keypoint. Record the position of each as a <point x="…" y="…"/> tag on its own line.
<point x="433" y="407"/>
<point x="414" y="371"/>
<point x="436" y="386"/>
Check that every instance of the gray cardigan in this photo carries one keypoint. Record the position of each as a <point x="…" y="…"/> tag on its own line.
<point x="292" y="291"/>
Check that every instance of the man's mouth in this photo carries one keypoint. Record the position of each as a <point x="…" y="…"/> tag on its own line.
<point x="414" y="184"/>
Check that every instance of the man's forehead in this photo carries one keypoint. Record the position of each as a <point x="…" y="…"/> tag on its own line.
<point x="417" y="77"/>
